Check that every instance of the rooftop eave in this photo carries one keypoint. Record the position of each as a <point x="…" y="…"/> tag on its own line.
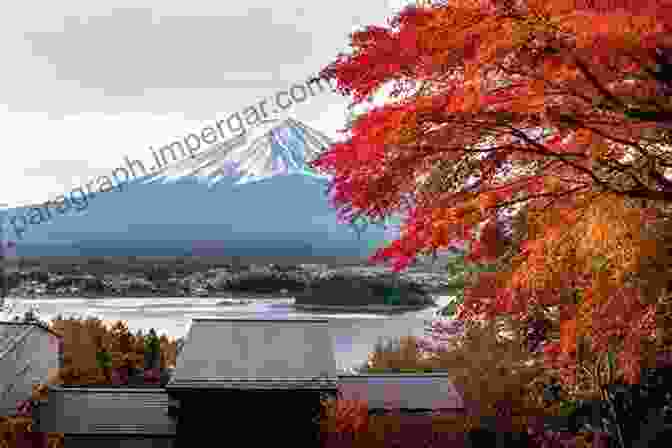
<point x="96" y="388"/>
<point x="246" y="384"/>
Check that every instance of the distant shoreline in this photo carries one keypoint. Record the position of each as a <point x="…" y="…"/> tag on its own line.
<point x="362" y="308"/>
<point x="219" y="295"/>
<point x="141" y="295"/>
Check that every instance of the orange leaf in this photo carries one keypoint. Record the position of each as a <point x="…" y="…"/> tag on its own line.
<point x="440" y="236"/>
<point x="568" y="335"/>
<point x="583" y="137"/>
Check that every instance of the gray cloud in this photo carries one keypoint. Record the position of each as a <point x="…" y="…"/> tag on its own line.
<point x="47" y="168"/>
<point x="131" y="60"/>
<point x="128" y="52"/>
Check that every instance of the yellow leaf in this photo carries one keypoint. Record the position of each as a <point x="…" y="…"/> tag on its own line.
<point x="599" y="147"/>
<point x="553" y="183"/>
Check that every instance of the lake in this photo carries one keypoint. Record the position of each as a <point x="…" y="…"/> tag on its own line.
<point x="353" y="335"/>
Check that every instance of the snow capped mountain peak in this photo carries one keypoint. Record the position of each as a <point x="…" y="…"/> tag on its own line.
<point x="286" y="148"/>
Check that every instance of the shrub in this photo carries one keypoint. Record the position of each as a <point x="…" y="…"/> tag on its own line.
<point x="404" y="354"/>
<point x="16" y="431"/>
<point x="499" y="380"/>
<point x="346" y="416"/>
<point x="507" y="388"/>
<point x="347" y="423"/>
<point x="339" y="289"/>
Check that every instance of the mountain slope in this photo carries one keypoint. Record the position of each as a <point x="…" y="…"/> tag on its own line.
<point x="255" y="210"/>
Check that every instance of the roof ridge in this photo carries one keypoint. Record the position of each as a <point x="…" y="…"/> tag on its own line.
<point x="208" y="319"/>
<point x="14" y="341"/>
<point x="41" y="325"/>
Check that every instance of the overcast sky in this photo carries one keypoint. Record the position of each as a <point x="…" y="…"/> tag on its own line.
<point x="84" y="84"/>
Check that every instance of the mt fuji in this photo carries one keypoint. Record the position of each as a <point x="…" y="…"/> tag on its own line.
<point x="287" y="148"/>
<point x="252" y="196"/>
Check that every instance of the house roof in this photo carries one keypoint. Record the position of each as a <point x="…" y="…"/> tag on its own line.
<point x="22" y="325"/>
<point x="12" y="333"/>
<point x="256" y="354"/>
<point x="125" y="411"/>
<point x="416" y="392"/>
<point x="105" y="411"/>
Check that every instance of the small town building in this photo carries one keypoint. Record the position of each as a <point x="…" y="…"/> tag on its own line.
<point x="106" y="417"/>
<point x="408" y="393"/>
<point x="273" y="371"/>
<point x="245" y="380"/>
<point x="30" y="353"/>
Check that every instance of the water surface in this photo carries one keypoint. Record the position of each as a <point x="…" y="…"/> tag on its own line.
<point x="353" y="335"/>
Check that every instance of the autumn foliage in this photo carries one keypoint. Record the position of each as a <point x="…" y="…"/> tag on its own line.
<point x="347" y="423"/>
<point x="554" y="111"/>
<point x="346" y="416"/>
<point x="84" y="340"/>
<point x="17" y="432"/>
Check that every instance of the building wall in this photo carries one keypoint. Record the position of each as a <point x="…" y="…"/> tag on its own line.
<point x="93" y="411"/>
<point x="34" y="360"/>
<point x="285" y="417"/>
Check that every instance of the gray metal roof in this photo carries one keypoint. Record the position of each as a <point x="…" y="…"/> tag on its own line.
<point x="99" y="410"/>
<point x="427" y="391"/>
<point x="105" y="411"/>
<point x="17" y="326"/>
<point x="253" y="353"/>
<point x="11" y="336"/>
<point x="12" y="333"/>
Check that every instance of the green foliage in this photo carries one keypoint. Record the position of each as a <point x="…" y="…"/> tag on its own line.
<point x="392" y="296"/>
<point x="645" y="115"/>
<point x="456" y="266"/>
<point x="456" y="284"/>
<point x="104" y="359"/>
<point x="611" y="360"/>
<point x="600" y="263"/>
<point x="450" y="309"/>
<point x="152" y="342"/>
<point x="480" y="267"/>
<point x="459" y="269"/>
<point x="578" y="296"/>
<point x="567" y="408"/>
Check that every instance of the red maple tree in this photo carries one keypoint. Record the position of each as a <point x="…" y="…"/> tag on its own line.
<point x="561" y="108"/>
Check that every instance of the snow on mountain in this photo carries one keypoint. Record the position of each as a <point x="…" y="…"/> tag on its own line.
<point x="286" y="148"/>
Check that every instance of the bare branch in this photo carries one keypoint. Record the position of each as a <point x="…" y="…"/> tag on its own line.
<point x="555" y="195"/>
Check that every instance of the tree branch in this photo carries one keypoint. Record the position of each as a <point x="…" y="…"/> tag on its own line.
<point x="556" y="195"/>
